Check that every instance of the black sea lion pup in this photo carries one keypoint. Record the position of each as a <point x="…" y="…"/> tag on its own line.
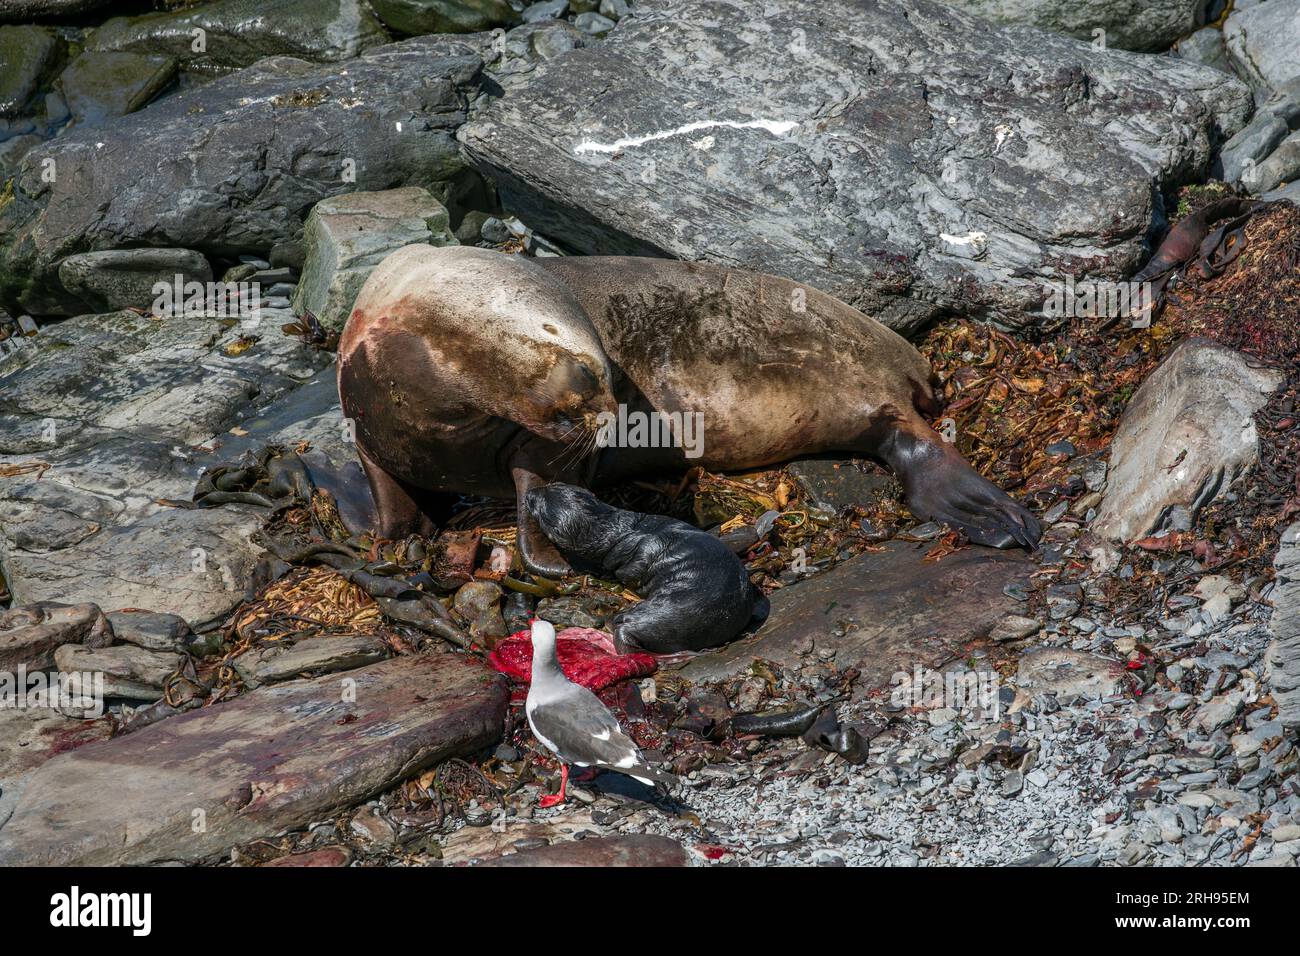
<point x="696" y="592"/>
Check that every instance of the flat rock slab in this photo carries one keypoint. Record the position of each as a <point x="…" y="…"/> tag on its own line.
<point x="117" y="406"/>
<point x="274" y="759"/>
<point x="312" y="655"/>
<point x="30" y="635"/>
<point x="902" y="155"/>
<point x="1188" y="434"/>
<point x="29" y="736"/>
<point x="633" y="850"/>
<point x="882" y="612"/>
<point x="1069" y="673"/>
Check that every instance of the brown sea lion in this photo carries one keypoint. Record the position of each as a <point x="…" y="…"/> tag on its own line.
<point x="471" y="371"/>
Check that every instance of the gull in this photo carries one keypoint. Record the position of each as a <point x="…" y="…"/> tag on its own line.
<point x="574" y="725"/>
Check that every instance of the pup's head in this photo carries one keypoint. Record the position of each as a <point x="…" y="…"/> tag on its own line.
<point x="569" y="515"/>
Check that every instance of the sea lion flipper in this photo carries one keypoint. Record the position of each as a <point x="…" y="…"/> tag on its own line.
<point x="539" y="555"/>
<point x="398" y="507"/>
<point x="941" y="486"/>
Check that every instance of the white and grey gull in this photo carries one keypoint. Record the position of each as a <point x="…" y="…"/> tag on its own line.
<point x="570" y="721"/>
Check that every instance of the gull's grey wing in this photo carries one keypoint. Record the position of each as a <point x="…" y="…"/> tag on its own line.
<point x="578" y="727"/>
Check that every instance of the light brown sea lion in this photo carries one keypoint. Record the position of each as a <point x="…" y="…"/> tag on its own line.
<point x="471" y="371"/>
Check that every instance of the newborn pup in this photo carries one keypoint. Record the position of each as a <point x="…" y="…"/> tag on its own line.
<point x="696" y="593"/>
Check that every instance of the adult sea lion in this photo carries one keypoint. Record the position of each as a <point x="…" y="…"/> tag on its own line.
<point x="466" y="370"/>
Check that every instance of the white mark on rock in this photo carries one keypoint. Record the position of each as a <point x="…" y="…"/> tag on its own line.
<point x="970" y="239"/>
<point x="973" y="245"/>
<point x="775" y="127"/>
<point x="704" y="142"/>
<point x="1000" y="135"/>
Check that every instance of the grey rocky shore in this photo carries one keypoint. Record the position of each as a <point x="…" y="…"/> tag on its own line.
<point x="190" y="200"/>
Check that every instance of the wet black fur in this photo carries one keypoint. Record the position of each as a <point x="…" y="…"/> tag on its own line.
<point x="696" y="593"/>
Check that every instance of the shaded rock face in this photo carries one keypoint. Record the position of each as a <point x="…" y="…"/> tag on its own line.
<point x="443" y="16"/>
<point x="1147" y="25"/>
<point x="1284" y="654"/>
<point x="347" y="236"/>
<point x="1206" y="47"/>
<point x="196" y="784"/>
<point x="17" y="11"/>
<point x="28" y="54"/>
<point x="236" y="33"/>
<point x="103" y="86"/>
<point x="1187" y="434"/>
<point x="199" y="170"/>
<point x="125" y="278"/>
<point x="882" y="612"/>
<point x="903" y="156"/>
<point x="30" y="636"/>
<point x="115" y="405"/>
<point x="1263" y="41"/>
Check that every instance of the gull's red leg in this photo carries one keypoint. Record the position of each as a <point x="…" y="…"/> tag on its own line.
<point x="553" y="799"/>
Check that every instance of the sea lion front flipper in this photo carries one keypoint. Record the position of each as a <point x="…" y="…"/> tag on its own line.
<point x="399" y="508"/>
<point x="539" y="555"/>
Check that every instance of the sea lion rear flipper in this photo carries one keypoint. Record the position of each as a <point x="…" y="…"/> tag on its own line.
<point x="539" y="555"/>
<point x="941" y="486"/>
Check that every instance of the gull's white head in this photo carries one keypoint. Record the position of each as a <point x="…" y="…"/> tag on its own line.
<point x="543" y="634"/>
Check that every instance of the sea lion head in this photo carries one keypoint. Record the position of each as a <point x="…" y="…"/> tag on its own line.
<point x="572" y="517"/>
<point x="565" y="396"/>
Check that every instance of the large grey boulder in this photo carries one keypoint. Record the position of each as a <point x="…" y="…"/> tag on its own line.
<point x="235" y="165"/>
<point x="196" y="784"/>
<point x="904" y="156"/>
<point x="1282" y="165"/>
<point x="125" y="278"/>
<point x="1146" y="25"/>
<point x="1284" y="653"/>
<point x="228" y="34"/>
<point x="347" y="236"/>
<point x="1206" y="47"/>
<point x="1264" y="42"/>
<point x="1245" y="150"/>
<point x="120" y="407"/>
<point x="1187" y="434"/>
